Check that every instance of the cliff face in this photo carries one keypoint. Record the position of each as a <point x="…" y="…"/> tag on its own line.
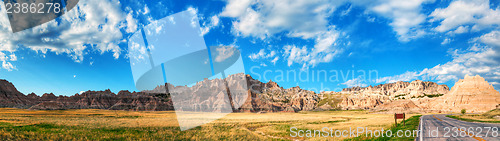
<point x="472" y="93"/>
<point x="374" y="96"/>
<point x="207" y="94"/>
<point x="10" y="97"/>
<point x="363" y="102"/>
<point x="399" y="89"/>
<point x="256" y="96"/>
<point x="270" y="97"/>
<point x="124" y="100"/>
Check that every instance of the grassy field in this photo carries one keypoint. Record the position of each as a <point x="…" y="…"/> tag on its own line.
<point x="90" y="124"/>
<point x="411" y="125"/>
<point x="492" y="116"/>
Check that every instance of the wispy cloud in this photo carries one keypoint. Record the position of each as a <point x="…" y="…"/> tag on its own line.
<point x="262" y="54"/>
<point x="356" y="82"/>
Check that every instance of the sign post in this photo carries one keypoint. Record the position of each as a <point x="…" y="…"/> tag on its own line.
<point x="399" y="116"/>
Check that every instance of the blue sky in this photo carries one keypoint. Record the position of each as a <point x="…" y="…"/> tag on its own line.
<point x="439" y="41"/>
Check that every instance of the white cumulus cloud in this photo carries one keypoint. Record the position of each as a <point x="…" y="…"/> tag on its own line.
<point x="94" y="23"/>
<point x="324" y="50"/>
<point x="8" y="66"/>
<point x="262" y="19"/>
<point x="466" y="12"/>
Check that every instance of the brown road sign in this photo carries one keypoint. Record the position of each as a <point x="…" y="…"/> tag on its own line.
<point x="399" y="116"/>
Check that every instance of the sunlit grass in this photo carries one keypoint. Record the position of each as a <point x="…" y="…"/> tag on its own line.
<point x="411" y="125"/>
<point x="92" y="124"/>
<point x="492" y="116"/>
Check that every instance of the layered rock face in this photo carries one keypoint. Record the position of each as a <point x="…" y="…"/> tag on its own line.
<point x="207" y="94"/>
<point x="10" y="97"/>
<point x="124" y="100"/>
<point x="363" y="101"/>
<point x="401" y="89"/>
<point x="373" y="96"/>
<point x="211" y="95"/>
<point x="270" y="97"/>
<point x="472" y="93"/>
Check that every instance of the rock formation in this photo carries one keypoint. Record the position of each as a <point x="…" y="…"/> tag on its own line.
<point x="260" y="97"/>
<point x="472" y="93"/>
<point x="10" y="97"/>
<point x="401" y="106"/>
<point x="124" y="100"/>
<point x="401" y="89"/>
<point x="270" y="97"/>
<point x="373" y="96"/>
<point x="363" y="101"/>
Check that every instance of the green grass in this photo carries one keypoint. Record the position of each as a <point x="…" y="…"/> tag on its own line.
<point x="45" y="131"/>
<point x="411" y="124"/>
<point x="400" y="96"/>
<point x="91" y="124"/>
<point x="429" y="95"/>
<point x="470" y="120"/>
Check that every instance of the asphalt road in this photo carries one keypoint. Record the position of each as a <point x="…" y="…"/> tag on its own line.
<point x="440" y="127"/>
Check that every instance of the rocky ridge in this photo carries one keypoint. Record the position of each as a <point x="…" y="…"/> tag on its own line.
<point x="400" y="89"/>
<point x="372" y="97"/>
<point x="260" y="97"/>
<point x="472" y="93"/>
<point x="270" y="97"/>
<point x="10" y="97"/>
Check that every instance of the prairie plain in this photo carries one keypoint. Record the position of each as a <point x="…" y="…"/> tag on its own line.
<point x="92" y="124"/>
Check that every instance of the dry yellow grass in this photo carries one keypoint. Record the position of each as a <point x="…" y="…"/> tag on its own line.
<point x="91" y="124"/>
<point x="492" y="116"/>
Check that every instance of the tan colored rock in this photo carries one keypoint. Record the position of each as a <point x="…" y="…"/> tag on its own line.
<point x="363" y="101"/>
<point x="325" y="107"/>
<point x="472" y="93"/>
<point x="270" y="97"/>
<point x="401" y="89"/>
<point x="400" y="106"/>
